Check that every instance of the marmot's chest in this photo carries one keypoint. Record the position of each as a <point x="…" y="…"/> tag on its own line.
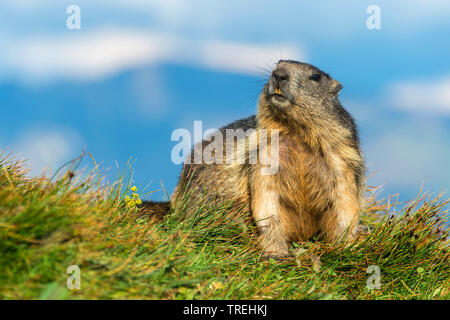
<point x="306" y="177"/>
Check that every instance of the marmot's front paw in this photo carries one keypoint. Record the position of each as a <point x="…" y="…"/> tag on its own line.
<point x="272" y="255"/>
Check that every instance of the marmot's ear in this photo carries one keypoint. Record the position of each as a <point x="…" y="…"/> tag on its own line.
<point x="336" y="86"/>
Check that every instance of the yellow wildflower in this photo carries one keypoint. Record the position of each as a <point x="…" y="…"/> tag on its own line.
<point x="134" y="200"/>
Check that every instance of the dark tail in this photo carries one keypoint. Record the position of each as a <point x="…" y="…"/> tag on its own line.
<point x="154" y="209"/>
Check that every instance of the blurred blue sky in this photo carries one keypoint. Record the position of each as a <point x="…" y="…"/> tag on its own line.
<point x="137" y="70"/>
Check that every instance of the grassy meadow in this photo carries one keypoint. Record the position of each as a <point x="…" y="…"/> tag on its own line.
<point x="47" y="225"/>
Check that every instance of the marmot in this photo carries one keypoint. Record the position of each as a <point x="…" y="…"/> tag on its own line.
<point x="319" y="182"/>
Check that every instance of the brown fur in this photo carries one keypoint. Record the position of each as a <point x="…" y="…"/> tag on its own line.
<point x="319" y="185"/>
<point x="154" y="210"/>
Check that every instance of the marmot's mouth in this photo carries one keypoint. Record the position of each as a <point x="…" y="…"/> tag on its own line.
<point x="279" y="100"/>
<point x="279" y="97"/>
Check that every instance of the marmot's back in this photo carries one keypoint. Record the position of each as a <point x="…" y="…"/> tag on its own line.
<point x="245" y="124"/>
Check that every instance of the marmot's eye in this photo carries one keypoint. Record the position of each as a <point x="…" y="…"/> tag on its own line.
<point x="316" y="77"/>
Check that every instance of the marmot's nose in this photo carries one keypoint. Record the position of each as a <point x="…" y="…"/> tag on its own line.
<point x="280" y="77"/>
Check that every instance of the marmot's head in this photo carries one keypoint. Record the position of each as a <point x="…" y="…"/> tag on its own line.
<point x="295" y="89"/>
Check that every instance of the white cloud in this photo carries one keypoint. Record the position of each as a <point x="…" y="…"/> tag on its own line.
<point x="89" y="55"/>
<point x="245" y="58"/>
<point x="404" y="16"/>
<point x="46" y="150"/>
<point x="103" y="52"/>
<point x="217" y="18"/>
<point x="424" y="96"/>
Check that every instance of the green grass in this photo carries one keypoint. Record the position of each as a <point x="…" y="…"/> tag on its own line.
<point x="48" y="225"/>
